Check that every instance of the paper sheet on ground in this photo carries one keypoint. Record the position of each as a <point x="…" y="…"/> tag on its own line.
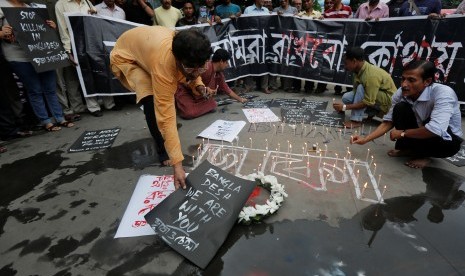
<point x="260" y="115"/>
<point x="223" y="130"/>
<point x="149" y="192"/>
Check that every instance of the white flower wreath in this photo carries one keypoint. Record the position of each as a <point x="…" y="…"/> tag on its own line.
<point x="256" y="213"/>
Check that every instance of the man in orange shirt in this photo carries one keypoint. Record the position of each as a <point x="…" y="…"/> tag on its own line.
<point x="152" y="61"/>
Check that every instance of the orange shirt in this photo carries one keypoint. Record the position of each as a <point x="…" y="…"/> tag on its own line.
<point x="143" y="61"/>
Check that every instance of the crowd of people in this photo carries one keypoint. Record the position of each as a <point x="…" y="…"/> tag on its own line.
<point x="190" y="78"/>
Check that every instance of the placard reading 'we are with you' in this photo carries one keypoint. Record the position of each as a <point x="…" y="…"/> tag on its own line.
<point x="39" y="41"/>
<point x="196" y="221"/>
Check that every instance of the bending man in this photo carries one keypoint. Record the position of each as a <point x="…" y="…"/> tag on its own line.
<point x="373" y="89"/>
<point x="152" y="61"/>
<point x="191" y="106"/>
<point x="424" y="118"/>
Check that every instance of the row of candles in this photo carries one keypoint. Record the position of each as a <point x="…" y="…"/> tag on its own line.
<point x="305" y="152"/>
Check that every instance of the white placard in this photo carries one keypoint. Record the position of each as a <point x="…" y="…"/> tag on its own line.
<point x="260" y="115"/>
<point x="149" y="192"/>
<point x="223" y="130"/>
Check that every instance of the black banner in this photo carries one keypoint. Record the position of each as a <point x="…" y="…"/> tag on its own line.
<point x="298" y="48"/>
<point x="40" y="42"/>
<point x="196" y="221"/>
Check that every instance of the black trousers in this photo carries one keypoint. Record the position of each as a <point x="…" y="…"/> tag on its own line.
<point x="149" y="111"/>
<point x="403" y="118"/>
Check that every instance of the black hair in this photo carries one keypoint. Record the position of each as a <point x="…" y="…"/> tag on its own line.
<point x="192" y="3"/>
<point x="429" y="70"/>
<point x="221" y="55"/>
<point x="191" y="47"/>
<point x="356" y="53"/>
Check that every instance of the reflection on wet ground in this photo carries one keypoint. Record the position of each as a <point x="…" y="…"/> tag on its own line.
<point x="420" y="234"/>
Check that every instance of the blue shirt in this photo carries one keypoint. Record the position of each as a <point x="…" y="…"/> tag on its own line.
<point x="425" y="6"/>
<point x="255" y="10"/>
<point x="225" y="11"/>
<point x="437" y="102"/>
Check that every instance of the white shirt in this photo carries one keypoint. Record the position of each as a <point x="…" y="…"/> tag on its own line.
<point x="116" y="12"/>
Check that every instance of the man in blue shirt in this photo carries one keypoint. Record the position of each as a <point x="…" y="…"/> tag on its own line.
<point x="424" y="118"/>
<point x="228" y="10"/>
<point x="420" y="7"/>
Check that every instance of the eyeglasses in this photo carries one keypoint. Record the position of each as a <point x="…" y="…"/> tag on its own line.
<point x="190" y="70"/>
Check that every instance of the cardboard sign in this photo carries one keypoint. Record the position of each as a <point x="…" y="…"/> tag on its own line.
<point x="260" y="103"/>
<point x="196" y="221"/>
<point x="286" y="103"/>
<point x="313" y="105"/>
<point x="223" y="130"/>
<point x="296" y="116"/>
<point x="459" y="158"/>
<point x="260" y="115"/>
<point x="149" y="192"/>
<point x="95" y="140"/>
<point x="40" y="42"/>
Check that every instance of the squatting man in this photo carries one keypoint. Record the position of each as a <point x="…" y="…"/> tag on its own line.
<point x="424" y="118"/>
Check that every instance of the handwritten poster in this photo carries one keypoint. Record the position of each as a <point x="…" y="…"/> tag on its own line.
<point x="313" y="105"/>
<point x="149" y="192"/>
<point x="40" y="42"/>
<point x="196" y="221"/>
<point x="260" y="115"/>
<point x="260" y="103"/>
<point x="223" y="130"/>
<point x="286" y="103"/>
<point x="95" y="140"/>
<point x="296" y="116"/>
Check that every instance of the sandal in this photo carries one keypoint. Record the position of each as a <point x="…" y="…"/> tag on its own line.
<point x="51" y="127"/>
<point x="72" y="117"/>
<point x="67" y="124"/>
<point x="3" y="149"/>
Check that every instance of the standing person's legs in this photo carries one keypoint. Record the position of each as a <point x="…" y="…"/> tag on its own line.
<point x="73" y="89"/>
<point x="48" y="84"/>
<point x="8" y="126"/>
<point x="11" y="88"/>
<point x="264" y="85"/>
<point x="28" y="76"/>
<point x="108" y="102"/>
<point x="149" y="111"/>
<point x="352" y="97"/>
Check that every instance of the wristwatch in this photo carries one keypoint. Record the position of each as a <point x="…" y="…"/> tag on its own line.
<point x="402" y="134"/>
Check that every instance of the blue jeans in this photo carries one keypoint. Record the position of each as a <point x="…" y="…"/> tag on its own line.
<point x="352" y="97"/>
<point x="39" y="86"/>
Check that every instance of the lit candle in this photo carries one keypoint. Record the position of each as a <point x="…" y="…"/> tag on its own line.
<point x="337" y="156"/>
<point x="326" y="149"/>
<point x="363" y="190"/>
<point x="372" y="158"/>
<point x="319" y="163"/>
<point x="351" y="139"/>
<point x="358" y="174"/>
<point x="203" y="141"/>
<point x="290" y="148"/>
<point x="193" y="158"/>
<point x="250" y="142"/>
<point x="384" y="190"/>
<point x="259" y="166"/>
<point x="266" y="143"/>
<point x="368" y="154"/>
<point x="305" y="146"/>
<point x="344" y="131"/>
<point x="374" y="170"/>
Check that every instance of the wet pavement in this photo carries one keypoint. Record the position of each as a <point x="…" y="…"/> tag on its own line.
<point x="59" y="211"/>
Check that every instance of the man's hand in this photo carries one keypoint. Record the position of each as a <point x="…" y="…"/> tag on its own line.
<point x="359" y="140"/>
<point x="51" y="24"/>
<point x="72" y="60"/>
<point x="211" y="92"/>
<point x="179" y="176"/>
<point x="395" y="134"/>
<point x="338" y="106"/>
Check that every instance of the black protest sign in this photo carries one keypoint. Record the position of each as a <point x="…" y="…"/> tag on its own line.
<point x="196" y="221"/>
<point x="40" y="42"/>
<point x="95" y="140"/>
<point x="286" y="103"/>
<point x="223" y="101"/>
<point x="313" y="105"/>
<point x="296" y="115"/>
<point x="459" y="158"/>
<point x="248" y="96"/>
<point x="260" y="103"/>
<point x="325" y="118"/>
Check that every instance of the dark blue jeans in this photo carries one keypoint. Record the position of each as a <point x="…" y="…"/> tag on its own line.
<point x="39" y="86"/>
